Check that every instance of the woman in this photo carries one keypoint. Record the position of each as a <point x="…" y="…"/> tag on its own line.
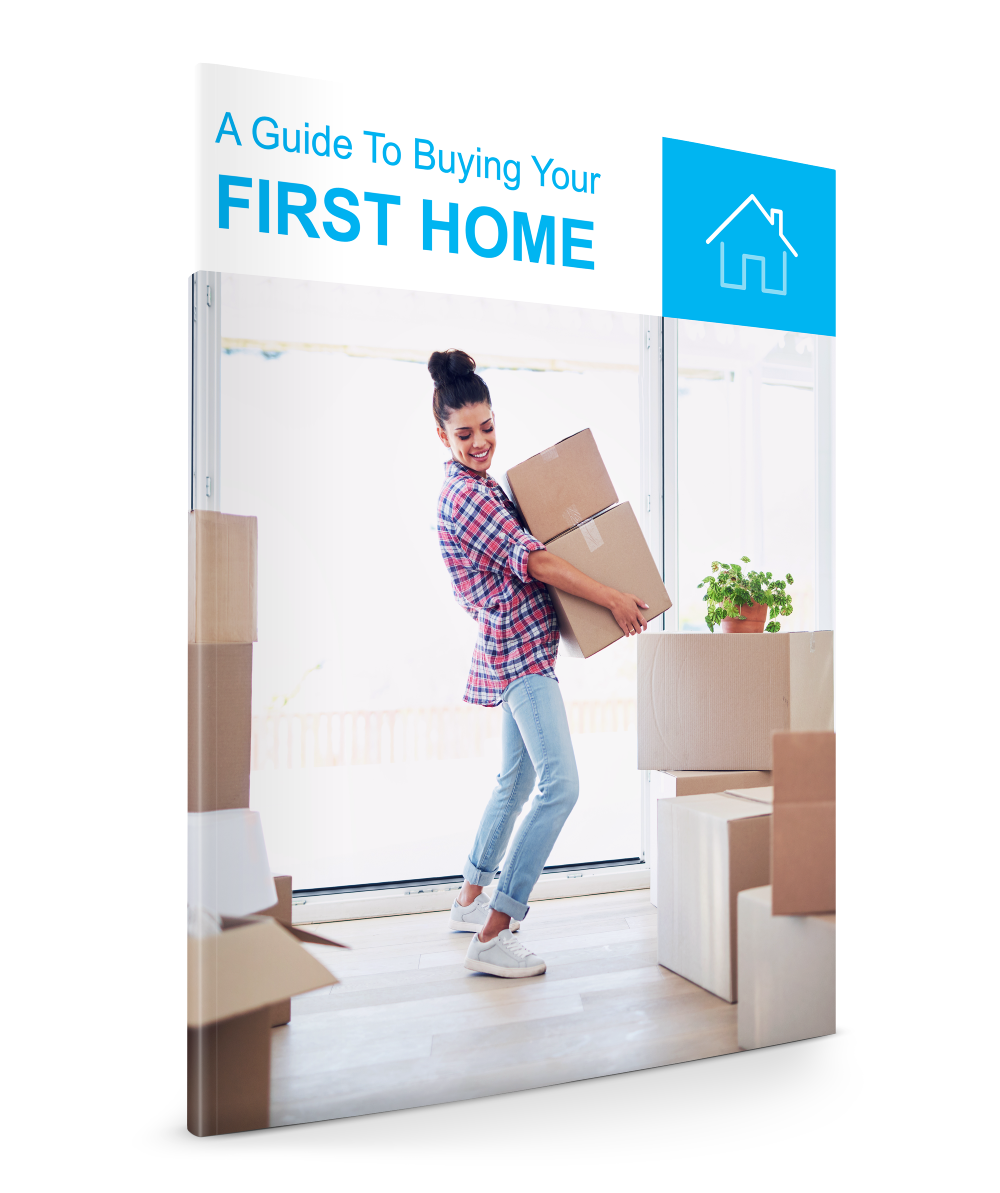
<point x="499" y="573"/>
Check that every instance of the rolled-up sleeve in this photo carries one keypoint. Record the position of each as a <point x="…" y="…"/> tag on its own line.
<point x="490" y="538"/>
<point x="520" y="549"/>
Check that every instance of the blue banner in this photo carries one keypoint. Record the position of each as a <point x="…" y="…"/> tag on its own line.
<point x="748" y="240"/>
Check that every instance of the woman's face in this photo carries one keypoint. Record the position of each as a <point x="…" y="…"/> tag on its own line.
<point x="471" y="435"/>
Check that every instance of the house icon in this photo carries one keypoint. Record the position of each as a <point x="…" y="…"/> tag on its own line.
<point x="747" y="232"/>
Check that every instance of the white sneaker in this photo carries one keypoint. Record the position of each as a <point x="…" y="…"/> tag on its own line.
<point x="473" y="917"/>
<point x="503" y="956"/>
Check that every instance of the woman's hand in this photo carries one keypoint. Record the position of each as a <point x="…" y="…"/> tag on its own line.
<point x="623" y="606"/>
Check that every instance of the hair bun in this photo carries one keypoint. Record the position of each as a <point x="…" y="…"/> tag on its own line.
<point x="450" y="366"/>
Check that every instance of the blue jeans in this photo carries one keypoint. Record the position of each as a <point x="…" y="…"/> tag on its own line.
<point x="535" y="741"/>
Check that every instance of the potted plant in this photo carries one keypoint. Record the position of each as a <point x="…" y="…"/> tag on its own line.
<point x="738" y="603"/>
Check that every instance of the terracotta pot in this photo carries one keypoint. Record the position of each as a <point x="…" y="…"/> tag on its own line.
<point x="756" y="619"/>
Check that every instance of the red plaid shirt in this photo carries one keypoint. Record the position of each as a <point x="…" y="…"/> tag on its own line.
<point x="485" y="550"/>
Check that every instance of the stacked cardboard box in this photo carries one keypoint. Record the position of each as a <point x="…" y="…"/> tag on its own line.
<point x="762" y="846"/>
<point x="787" y="972"/>
<point x="669" y="784"/>
<point x="562" y="486"/>
<point x="242" y="972"/>
<point x="804" y="841"/>
<point x="711" y="848"/>
<point x="567" y="500"/>
<point x="222" y="626"/>
<point x="787" y="929"/>
<point x="713" y="700"/>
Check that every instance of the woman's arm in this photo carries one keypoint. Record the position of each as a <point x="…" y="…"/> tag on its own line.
<point x="623" y="606"/>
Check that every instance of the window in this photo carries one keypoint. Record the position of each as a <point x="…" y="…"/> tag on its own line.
<point x="753" y="472"/>
<point x="367" y="766"/>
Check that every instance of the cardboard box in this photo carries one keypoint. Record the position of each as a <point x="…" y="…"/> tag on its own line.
<point x="562" y="486"/>
<point x="804" y="831"/>
<point x="711" y="847"/>
<point x="229" y="1075"/>
<point x="712" y="701"/>
<point x="668" y="784"/>
<point x="234" y="979"/>
<point x="219" y="689"/>
<point x="764" y="794"/>
<point x="612" y="549"/>
<point x="281" y="1012"/>
<point x="228" y="870"/>
<point x="222" y="577"/>
<point x="787" y="973"/>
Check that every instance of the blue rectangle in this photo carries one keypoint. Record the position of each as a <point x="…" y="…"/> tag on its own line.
<point x="748" y="240"/>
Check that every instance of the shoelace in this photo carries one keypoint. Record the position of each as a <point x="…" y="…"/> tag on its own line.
<point x="517" y="949"/>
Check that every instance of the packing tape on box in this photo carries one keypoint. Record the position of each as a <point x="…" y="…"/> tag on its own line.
<point x="572" y="515"/>
<point x="549" y="454"/>
<point x="591" y="535"/>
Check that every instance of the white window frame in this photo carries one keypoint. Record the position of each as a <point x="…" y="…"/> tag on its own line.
<point x="205" y="423"/>
<point x="824" y="384"/>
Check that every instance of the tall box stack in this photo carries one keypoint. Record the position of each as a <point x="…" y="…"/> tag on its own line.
<point x="742" y="894"/>
<point x="567" y="500"/>
<point x="244" y="957"/>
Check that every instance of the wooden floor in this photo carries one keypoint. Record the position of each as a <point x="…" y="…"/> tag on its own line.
<point x="408" y="1025"/>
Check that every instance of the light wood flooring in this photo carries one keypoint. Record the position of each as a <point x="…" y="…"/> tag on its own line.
<point x="408" y="1025"/>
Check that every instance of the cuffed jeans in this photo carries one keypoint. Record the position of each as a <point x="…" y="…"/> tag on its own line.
<point x="535" y="741"/>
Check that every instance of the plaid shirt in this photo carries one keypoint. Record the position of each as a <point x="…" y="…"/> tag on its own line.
<point x="485" y="550"/>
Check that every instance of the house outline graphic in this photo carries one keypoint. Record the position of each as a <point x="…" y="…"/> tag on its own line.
<point x="776" y="212"/>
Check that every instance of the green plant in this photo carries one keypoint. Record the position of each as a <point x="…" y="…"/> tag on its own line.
<point x="730" y="588"/>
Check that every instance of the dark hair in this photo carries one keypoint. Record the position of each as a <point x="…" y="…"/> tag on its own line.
<point x="456" y="383"/>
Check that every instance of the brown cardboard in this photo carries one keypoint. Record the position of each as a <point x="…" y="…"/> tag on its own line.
<point x="229" y="1074"/>
<point x="253" y="965"/>
<point x="704" y="782"/>
<point x="235" y="978"/>
<point x="712" y="701"/>
<point x="804" y="877"/>
<point x="669" y="784"/>
<point x="562" y="486"/>
<point x="281" y="1012"/>
<point x="222" y="577"/>
<point x="710" y="848"/>
<point x="611" y="549"/>
<point x="219" y="683"/>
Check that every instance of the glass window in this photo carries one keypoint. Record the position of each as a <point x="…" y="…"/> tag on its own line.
<point x="746" y="450"/>
<point x="367" y="766"/>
